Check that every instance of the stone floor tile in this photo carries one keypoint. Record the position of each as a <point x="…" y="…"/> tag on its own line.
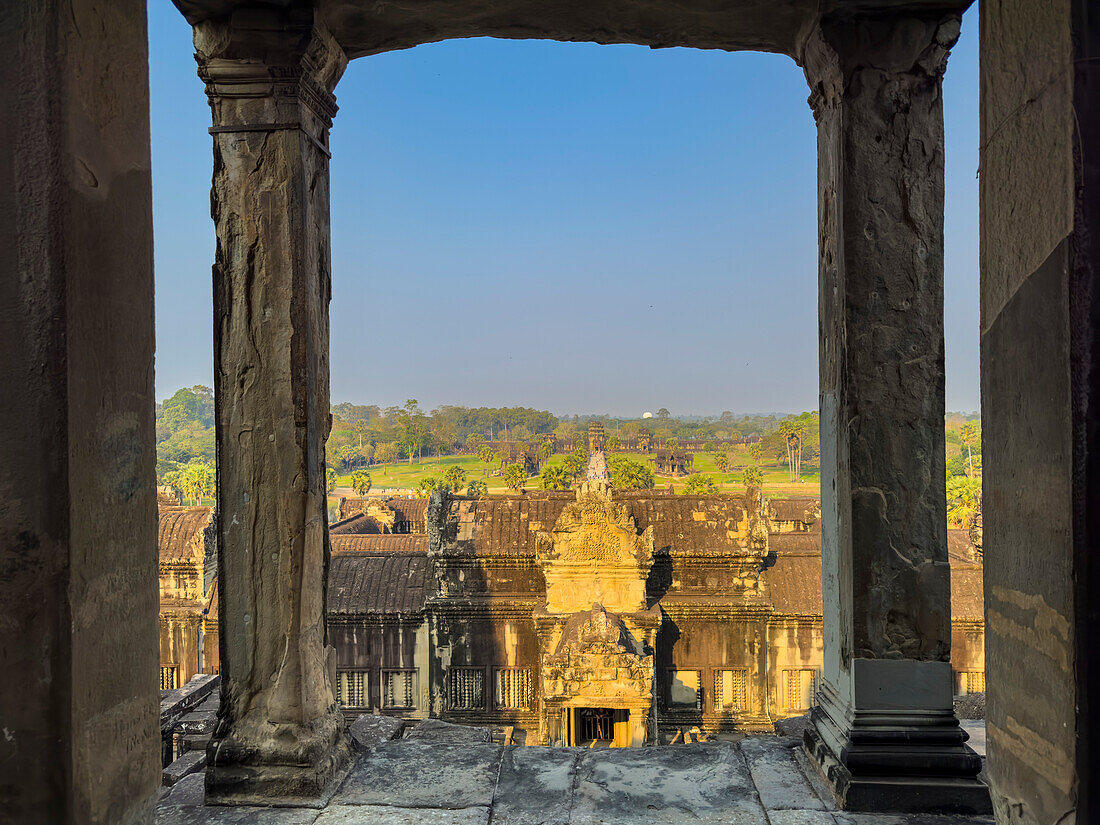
<point x="976" y="729"/>
<point x="190" y="790"/>
<point x="535" y="786"/>
<point x="239" y="815"/>
<point x="385" y="815"/>
<point x="814" y="817"/>
<point x="706" y="783"/>
<point x="777" y="775"/>
<point x="847" y="818"/>
<point x="412" y="775"/>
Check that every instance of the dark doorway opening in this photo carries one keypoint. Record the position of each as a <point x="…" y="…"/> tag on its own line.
<point x="597" y="727"/>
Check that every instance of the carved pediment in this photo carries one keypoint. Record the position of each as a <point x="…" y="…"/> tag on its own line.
<point x="595" y="554"/>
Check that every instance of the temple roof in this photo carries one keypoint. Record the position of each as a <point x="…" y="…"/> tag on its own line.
<point x="407" y="509"/>
<point x="379" y="542"/>
<point x="794" y="581"/>
<point x="508" y="524"/>
<point x="177" y="530"/>
<point x="367" y="582"/>
<point x="805" y="509"/>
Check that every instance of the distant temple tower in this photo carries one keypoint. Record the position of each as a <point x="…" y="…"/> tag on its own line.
<point x="596" y="436"/>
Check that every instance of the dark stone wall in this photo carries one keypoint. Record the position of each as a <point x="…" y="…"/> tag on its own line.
<point x="78" y="522"/>
<point x="1040" y="199"/>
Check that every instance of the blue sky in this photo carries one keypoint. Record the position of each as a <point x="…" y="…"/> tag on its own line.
<point x="579" y="228"/>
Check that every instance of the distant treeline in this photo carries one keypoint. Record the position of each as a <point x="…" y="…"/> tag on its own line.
<point x="366" y="434"/>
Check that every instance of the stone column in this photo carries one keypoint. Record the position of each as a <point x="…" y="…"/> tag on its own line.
<point x="884" y="729"/>
<point x="269" y="75"/>
<point x="78" y="514"/>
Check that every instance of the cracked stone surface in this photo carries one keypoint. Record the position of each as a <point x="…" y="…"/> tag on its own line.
<point x="757" y="781"/>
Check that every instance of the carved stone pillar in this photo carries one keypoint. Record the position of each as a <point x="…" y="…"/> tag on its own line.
<point x="269" y="75"/>
<point x="884" y="730"/>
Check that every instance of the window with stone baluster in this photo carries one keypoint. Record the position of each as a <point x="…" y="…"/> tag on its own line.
<point x="169" y="677"/>
<point x="398" y="688"/>
<point x="512" y="688"/>
<point x="467" y="688"/>
<point x="731" y="689"/>
<point x="800" y="685"/>
<point x="351" y="688"/>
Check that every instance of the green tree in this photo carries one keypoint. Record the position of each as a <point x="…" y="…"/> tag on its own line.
<point x="385" y="453"/>
<point x="555" y="477"/>
<point x="361" y="482"/>
<point x="672" y="443"/>
<point x="427" y="485"/>
<point x="698" y="484"/>
<point x="628" y="474"/>
<point x="515" y="476"/>
<point x="614" y="444"/>
<point x="722" y="463"/>
<point x="755" y="451"/>
<point x="753" y="478"/>
<point x="196" y="480"/>
<point x="474" y="442"/>
<point x="477" y="488"/>
<point x="331" y="479"/>
<point x="575" y="463"/>
<point x="970" y="434"/>
<point x="360" y="428"/>
<point x="964" y="496"/>
<point x="545" y="450"/>
<point x="454" y="477"/>
<point x="485" y="455"/>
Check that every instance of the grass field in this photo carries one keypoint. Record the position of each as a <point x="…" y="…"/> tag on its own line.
<point x="399" y="477"/>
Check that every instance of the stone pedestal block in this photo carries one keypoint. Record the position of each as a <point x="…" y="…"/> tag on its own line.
<point x="898" y="746"/>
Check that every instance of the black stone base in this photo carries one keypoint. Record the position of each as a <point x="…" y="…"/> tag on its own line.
<point x="883" y="784"/>
<point x="237" y="778"/>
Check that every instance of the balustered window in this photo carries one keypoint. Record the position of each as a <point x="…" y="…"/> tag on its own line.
<point x="169" y="677"/>
<point x="351" y="688"/>
<point x="799" y="688"/>
<point x="398" y="688"/>
<point x="731" y="689"/>
<point x="467" y="688"/>
<point x="512" y="688"/>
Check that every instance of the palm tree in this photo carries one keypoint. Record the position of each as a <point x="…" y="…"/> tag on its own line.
<point x="722" y="462"/>
<point x="964" y="497"/>
<point x="969" y="435"/>
<point x="515" y="476"/>
<point x="555" y="478"/>
<point x="485" y="455"/>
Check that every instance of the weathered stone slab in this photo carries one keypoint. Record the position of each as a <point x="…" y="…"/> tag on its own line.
<point x="707" y="783"/>
<point x="800" y="818"/>
<point x="436" y="730"/>
<point x="777" y="775"/>
<point x="191" y="762"/>
<point x="535" y="786"/>
<point x="795" y="726"/>
<point x="188" y="791"/>
<point x="423" y="775"/>
<point x="845" y="818"/>
<point x="387" y="815"/>
<point x="371" y="730"/>
<point x="239" y="815"/>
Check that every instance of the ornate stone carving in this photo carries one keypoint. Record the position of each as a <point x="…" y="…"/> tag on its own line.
<point x="595" y="555"/>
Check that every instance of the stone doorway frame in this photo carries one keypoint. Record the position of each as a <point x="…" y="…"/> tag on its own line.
<point x="78" y="335"/>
